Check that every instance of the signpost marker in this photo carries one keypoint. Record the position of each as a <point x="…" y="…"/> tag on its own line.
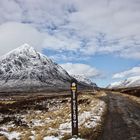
<point x="74" y="108"/>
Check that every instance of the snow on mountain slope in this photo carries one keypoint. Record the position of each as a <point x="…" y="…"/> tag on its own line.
<point x="84" y="80"/>
<point x="114" y="84"/>
<point x="130" y="82"/>
<point x="24" y="69"/>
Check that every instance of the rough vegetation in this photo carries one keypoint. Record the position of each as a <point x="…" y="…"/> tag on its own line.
<point x="41" y="116"/>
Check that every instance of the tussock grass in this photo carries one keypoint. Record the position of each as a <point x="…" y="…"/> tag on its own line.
<point x="131" y="97"/>
<point x="3" y="138"/>
<point x="51" y="120"/>
<point x="66" y="137"/>
<point x="7" y="102"/>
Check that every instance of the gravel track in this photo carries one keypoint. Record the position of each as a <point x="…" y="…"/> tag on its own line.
<point x="123" y="119"/>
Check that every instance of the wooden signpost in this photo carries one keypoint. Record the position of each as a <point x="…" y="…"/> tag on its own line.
<point x="74" y="108"/>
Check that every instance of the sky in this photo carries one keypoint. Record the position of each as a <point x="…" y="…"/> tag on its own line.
<point x="99" y="39"/>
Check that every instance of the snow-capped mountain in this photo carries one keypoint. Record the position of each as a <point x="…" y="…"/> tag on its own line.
<point x="130" y="82"/>
<point x="84" y="80"/>
<point x="24" y="69"/>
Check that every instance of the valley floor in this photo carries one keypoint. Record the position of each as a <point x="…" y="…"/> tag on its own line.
<point x="46" y="117"/>
<point x="103" y="115"/>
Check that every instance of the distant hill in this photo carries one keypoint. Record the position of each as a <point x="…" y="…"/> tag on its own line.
<point x="84" y="80"/>
<point x="24" y="69"/>
<point x="130" y="82"/>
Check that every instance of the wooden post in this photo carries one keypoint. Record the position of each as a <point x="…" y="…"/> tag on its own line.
<point x="74" y="108"/>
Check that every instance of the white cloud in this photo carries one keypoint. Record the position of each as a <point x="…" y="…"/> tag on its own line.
<point x="67" y="24"/>
<point x="10" y="11"/>
<point x="60" y="42"/>
<point x="135" y="71"/>
<point x="13" y="34"/>
<point x="67" y="57"/>
<point x="81" y="69"/>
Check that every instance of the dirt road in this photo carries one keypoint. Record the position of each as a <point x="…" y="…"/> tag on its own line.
<point x="123" y="119"/>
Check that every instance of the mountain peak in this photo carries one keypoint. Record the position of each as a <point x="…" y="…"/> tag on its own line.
<point x="24" y="69"/>
<point x="24" y="49"/>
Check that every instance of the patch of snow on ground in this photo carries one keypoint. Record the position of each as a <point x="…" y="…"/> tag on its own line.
<point x="90" y="119"/>
<point x="50" y="138"/>
<point x="32" y="137"/>
<point x="65" y="126"/>
<point x="93" y="117"/>
<point x="7" y="126"/>
<point x="90" y="124"/>
<point x="76" y="139"/>
<point x="84" y="116"/>
<point x="37" y="122"/>
<point x="11" y="135"/>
